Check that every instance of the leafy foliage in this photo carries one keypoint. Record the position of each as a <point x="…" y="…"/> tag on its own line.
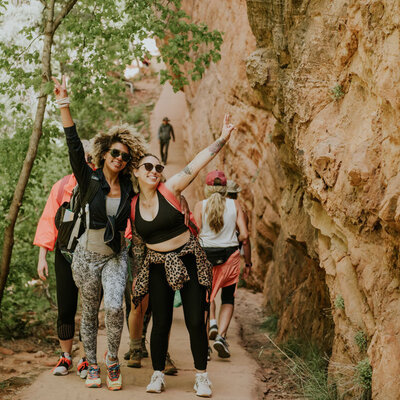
<point x="92" y="45"/>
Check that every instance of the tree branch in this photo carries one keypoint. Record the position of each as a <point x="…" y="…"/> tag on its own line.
<point x="63" y="13"/>
<point x="44" y="3"/>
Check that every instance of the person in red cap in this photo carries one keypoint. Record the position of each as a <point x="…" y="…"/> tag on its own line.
<point x="219" y="218"/>
<point x="174" y="260"/>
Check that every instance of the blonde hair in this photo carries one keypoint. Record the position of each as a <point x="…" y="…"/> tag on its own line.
<point x="215" y="206"/>
<point x="124" y="134"/>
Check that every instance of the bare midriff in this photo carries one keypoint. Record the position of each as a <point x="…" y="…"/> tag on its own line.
<point x="171" y="244"/>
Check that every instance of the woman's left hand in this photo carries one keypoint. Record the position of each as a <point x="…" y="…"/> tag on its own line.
<point x="227" y="128"/>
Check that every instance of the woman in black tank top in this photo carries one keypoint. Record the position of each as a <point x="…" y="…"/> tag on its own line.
<point x="174" y="260"/>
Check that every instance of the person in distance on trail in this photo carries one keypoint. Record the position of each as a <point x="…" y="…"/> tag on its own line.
<point x="100" y="258"/>
<point x="174" y="260"/>
<point x="165" y="131"/>
<point x="219" y="219"/>
<point x="67" y="292"/>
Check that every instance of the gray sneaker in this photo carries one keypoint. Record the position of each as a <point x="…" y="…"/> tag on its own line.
<point x="221" y="346"/>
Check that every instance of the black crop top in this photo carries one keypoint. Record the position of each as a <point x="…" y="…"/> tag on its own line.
<point x="167" y="224"/>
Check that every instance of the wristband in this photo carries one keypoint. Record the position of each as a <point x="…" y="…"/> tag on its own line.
<point x="63" y="103"/>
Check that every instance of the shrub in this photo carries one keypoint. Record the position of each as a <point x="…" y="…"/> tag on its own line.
<point x="339" y="302"/>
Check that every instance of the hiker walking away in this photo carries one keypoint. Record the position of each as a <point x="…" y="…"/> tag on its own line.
<point x="174" y="260"/>
<point x="218" y="218"/>
<point x="100" y="257"/>
<point x="67" y="292"/>
<point x="232" y="190"/>
<point x="165" y="131"/>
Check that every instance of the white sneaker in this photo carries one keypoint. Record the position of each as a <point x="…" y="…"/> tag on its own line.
<point x="202" y="386"/>
<point x="157" y="383"/>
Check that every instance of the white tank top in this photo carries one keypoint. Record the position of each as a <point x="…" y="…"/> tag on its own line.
<point x="226" y="237"/>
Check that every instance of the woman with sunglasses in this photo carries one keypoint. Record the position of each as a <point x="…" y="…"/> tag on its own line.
<point x="174" y="260"/>
<point x="100" y="258"/>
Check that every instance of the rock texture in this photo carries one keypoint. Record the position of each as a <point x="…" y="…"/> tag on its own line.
<point x="314" y="88"/>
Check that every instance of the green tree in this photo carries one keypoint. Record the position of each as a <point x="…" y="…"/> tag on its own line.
<point x="91" y="41"/>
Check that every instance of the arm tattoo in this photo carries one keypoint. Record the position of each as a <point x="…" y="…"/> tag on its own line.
<point x="187" y="170"/>
<point x="216" y="146"/>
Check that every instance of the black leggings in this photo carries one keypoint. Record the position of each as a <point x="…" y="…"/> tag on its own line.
<point x="194" y="307"/>
<point x="67" y="297"/>
<point x="228" y="294"/>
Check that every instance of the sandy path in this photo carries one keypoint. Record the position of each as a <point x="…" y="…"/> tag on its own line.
<point x="233" y="378"/>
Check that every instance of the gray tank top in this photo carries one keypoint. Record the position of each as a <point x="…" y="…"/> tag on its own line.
<point x="112" y="204"/>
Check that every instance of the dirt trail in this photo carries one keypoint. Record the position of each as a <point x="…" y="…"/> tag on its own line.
<point x="233" y="378"/>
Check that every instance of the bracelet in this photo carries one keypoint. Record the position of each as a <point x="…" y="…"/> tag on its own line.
<point x="249" y="265"/>
<point x="63" y="103"/>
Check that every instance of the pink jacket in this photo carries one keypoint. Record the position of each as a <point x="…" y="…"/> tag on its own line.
<point x="46" y="231"/>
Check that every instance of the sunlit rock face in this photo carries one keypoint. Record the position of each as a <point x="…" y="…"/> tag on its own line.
<point x="330" y="75"/>
<point x="314" y="89"/>
<point x="285" y="247"/>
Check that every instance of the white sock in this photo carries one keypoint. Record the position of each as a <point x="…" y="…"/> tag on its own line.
<point x="213" y="322"/>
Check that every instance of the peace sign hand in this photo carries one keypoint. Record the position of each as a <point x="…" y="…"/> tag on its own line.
<point x="227" y="128"/>
<point x="60" y="90"/>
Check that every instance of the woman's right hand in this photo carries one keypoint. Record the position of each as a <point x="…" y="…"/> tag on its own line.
<point x="60" y="90"/>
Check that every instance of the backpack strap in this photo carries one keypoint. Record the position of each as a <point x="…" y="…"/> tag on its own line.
<point x="61" y="188"/>
<point x="94" y="186"/>
<point x="170" y="197"/>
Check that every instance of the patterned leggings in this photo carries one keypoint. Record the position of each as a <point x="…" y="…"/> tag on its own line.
<point x="91" y="271"/>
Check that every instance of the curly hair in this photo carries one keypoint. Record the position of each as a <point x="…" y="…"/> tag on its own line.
<point x="124" y="134"/>
<point x="215" y="206"/>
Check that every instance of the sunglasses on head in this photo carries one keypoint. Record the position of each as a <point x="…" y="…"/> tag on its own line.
<point x="149" y="167"/>
<point x="116" y="153"/>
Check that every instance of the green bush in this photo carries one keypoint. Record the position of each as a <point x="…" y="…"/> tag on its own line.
<point x="270" y="324"/>
<point x="363" y="375"/>
<point x="339" y="302"/>
<point x="361" y="340"/>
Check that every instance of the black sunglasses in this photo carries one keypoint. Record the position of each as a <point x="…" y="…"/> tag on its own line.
<point x="149" y="167"/>
<point x="116" y="153"/>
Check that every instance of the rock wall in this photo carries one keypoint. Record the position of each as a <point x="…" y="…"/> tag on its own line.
<point x="317" y="154"/>
<point x="284" y="268"/>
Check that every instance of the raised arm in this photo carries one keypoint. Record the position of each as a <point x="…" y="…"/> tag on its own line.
<point x="76" y="153"/>
<point x="181" y="180"/>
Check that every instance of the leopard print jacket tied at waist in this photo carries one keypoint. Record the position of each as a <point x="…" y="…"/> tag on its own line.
<point x="175" y="270"/>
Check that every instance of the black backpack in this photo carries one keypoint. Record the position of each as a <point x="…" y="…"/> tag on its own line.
<point x="70" y="216"/>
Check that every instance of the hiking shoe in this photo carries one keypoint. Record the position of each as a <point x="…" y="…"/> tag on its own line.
<point x="221" y="345"/>
<point x="213" y="332"/>
<point x="170" y="368"/>
<point x="63" y="365"/>
<point x="114" y="377"/>
<point x="127" y="355"/>
<point x="93" y="377"/>
<point x="135" y="360"/>
<point x="202" y="386"/>
<point x="145" y="353"/>
<point x="157" y="383"/>
<point x="82" y="368"/>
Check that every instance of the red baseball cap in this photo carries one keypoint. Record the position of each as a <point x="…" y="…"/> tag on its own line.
<point x="216" y="178"/>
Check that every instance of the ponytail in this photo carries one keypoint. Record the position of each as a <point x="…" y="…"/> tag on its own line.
<point x="215" y="207"/>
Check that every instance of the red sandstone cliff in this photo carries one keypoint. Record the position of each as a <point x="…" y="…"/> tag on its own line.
<point x="314" y="89"/>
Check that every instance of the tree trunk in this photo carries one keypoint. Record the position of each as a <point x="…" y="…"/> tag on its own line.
<point x="31" y="153"/>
